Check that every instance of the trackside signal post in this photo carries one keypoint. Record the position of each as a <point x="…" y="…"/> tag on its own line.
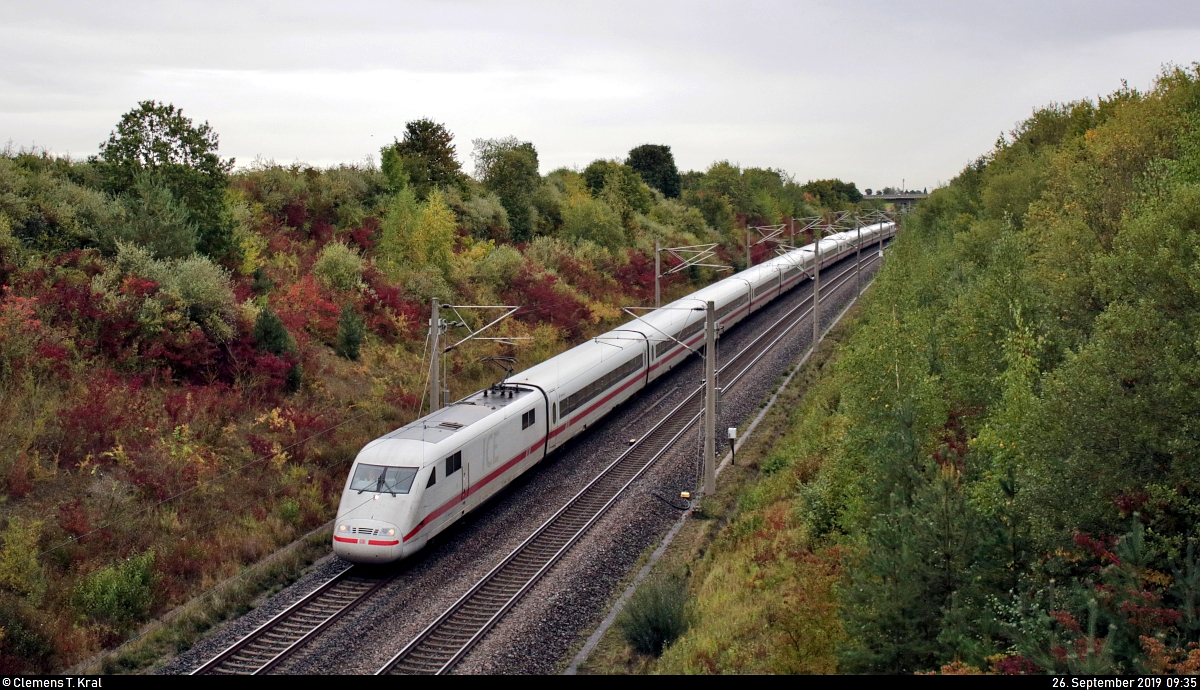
<point x="710" y="400"/>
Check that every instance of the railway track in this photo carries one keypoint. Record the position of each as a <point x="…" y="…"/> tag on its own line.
<point x="441" y="645"/>
<point x="277" y="639"/>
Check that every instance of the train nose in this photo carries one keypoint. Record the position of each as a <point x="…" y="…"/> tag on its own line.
<point x="367" y="541"/>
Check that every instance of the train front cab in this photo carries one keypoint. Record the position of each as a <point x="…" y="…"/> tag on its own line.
<point x="378" y="501"/>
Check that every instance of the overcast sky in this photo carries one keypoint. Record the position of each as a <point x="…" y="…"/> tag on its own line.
<point x="873" y="92"/>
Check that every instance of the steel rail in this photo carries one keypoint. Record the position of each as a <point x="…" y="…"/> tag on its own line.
<point x="445" y="641"/>
<point x="271" y="643"/>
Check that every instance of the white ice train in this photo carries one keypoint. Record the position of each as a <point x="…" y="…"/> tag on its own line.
<point x="411" y="484"/>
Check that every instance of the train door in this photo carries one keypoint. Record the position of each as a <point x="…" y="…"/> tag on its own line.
<point x="466" y="484"/>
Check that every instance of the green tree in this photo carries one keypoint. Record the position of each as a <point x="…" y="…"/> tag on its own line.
<point x="656" y="166"/>
<point x="424" y="158"/>
<point x="833" y="193"/>
<point x="154" y="220"/>
<point x="271" y="335"/>
<point x="156" y="137"/>
<point x="392" y="166"/>
<point x="585" y="218"/>
<point x="351" y="332"/>
<point x="620" y="187"/>
<point x="509" y="168"/>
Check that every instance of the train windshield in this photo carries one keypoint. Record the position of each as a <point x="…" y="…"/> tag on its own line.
<point x="383" y="480"/>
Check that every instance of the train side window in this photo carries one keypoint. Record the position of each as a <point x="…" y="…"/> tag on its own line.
<point x="528" y="419"/>
<point x="432" y="477"/>
<point x="554" y="413"/>
<point x="453" y="463"/>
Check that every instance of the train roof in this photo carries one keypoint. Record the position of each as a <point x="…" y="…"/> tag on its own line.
<point x="417" y="441"/>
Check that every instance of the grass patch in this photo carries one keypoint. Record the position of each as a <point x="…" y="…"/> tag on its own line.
<point x="177" y="631"/>
<point x="656" y="615"/>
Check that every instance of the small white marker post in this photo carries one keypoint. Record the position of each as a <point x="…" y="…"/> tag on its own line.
<point x="732" y="446"/>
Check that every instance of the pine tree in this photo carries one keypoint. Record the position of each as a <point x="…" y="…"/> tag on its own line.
<point x="351" y="332"/>
<point x="270" y="335"/>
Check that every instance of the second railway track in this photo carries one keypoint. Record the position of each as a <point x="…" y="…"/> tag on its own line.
<point x="274" y="641"/>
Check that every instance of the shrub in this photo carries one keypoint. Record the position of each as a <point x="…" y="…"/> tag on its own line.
<point x="545" y="300"/>
<point x="351" y="331"/>
<point x="656" y="616"/>
<point x="585" y="218"/>
<point x="262" y="282"/>
<point x="427" y="283"/>
<point x="199" y="287"/>
<point x="120" y="595"/>
<point x="482" y="215"/>
<point x="289" y="509"/>
<point x="339" y="267"/>
<point x="501" y="265"/>
<point x="23" y="648"/>
<point x="204" y="288"/>
<point x="19" y="567"/>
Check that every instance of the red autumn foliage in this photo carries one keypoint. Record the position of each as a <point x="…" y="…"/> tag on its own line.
<point x="199" y="404"/>
<point x="762" y="252"/>
<point x="383" y="301"/>
<point x="191" y="355"/>
<point x="534" y="292"/>
<point x="19" y="481"/>
<point x="107" y="406"/>
<point x="637" y="276"/>
<point x="295" y="213"/>
<point x="261" y="447"/>
<point x="307" y="307"/>
<point x="1150" y="615"/>
<point x="73" y="518"/>
<point x="1067" y="621"/>
<point x="1017" y="665"/>
<point x="320" y="231"/>
<point x="1098" y="548"/>
<point x="953" y="440"/>
<point x="364" y="234"/>
<point x="1129" y="503"/>
<point x="161" y="476"/>
<point x="183" y="564"/>
<point x="584" y="278"/>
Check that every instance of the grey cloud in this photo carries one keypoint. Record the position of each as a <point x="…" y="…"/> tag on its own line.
<point x="872" y="91"/>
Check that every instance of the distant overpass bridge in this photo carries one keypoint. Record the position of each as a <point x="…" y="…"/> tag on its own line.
<point x="900" y="201"/>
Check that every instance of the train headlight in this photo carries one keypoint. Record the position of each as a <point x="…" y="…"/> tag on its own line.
<point x="342" y="528"/>
<point x="391" y="531"/>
